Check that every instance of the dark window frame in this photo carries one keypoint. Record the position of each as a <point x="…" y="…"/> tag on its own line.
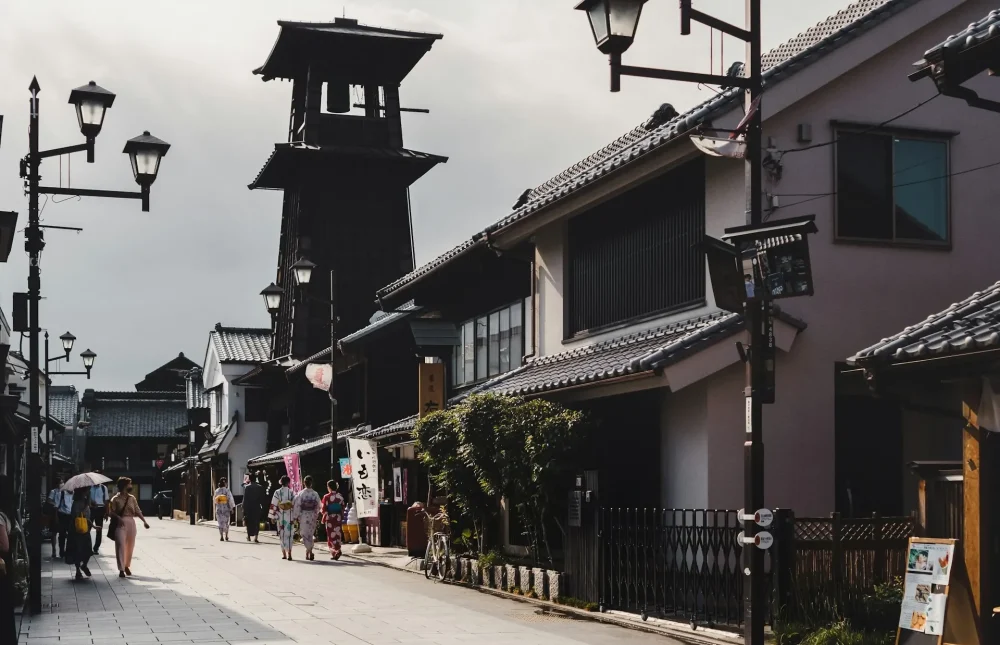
<point x="914" y="134"/>
<point x="515" y="361"/>
<point x="261" y="403"/>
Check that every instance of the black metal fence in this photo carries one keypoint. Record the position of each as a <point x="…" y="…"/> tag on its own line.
<point x="685" y="564"/>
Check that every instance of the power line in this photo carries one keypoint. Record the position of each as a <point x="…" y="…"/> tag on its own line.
<point x="865" y="131"/>
<point x="814" y="196"/>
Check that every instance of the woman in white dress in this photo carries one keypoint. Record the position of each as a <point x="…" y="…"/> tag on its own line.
<point x="282" y="504"/>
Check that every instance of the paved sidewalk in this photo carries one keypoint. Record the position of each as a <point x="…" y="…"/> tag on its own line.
<point x="190" y="588"/>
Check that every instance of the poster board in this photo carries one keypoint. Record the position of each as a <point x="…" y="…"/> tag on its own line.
<point x="929" y="564"/>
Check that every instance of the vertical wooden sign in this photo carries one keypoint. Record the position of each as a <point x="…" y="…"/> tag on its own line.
<point x="432" y="388"/>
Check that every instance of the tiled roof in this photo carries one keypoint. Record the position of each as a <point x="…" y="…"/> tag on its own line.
<point x="402" y="426"/>
<point x="215" y="441"/>
<point x="967" y="326"/>
<point x="64" y="402"/>
<point x="634" y="353"/>
<point x="780" y="63"/>
<point x="180" y="465"/>
<point x="975" y="34"/>
<point x="135" y="414"/>
<point x="194" y="390"/>
<point x="304" y="448"/>
<point x="242" y="344"/>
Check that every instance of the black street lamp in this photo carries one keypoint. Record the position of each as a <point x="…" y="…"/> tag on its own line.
<point x="272" y="298"/>
<point x="192" y="475"/>
<point x="67" y="342"/>
<point x="614" y="23"/>
<point x="91" y="103"/>
<point x="303" y="270"/>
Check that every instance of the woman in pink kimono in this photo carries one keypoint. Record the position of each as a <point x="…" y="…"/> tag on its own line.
<point x="306" y="511"/>
<point x="333" y="518"/>
<point x="224" y="505"/>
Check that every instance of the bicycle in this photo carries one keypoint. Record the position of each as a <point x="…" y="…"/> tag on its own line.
<point x="437" y="557"/>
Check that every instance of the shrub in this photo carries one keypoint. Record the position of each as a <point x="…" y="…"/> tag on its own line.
<point x="576" y="603"/>
<point x="841" y="633"/>
<point x="492" y="559"/>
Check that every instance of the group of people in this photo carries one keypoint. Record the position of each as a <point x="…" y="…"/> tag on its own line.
<point x="84" y="509"/>
<point x="286" y="508"/>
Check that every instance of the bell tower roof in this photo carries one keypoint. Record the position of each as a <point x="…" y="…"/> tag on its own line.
<point x="345" y="50"/>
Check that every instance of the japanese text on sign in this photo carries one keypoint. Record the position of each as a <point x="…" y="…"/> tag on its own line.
<point x="364" y="476"/>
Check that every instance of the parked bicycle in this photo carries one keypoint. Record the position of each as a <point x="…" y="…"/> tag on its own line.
<point x="437" y="558"/>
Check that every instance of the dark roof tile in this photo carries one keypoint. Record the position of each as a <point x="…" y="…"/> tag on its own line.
<point x="64" y="402"/>
<point x="242" y="344"/>
<point x="145" y="415"/>
<point x="967" y="326"/>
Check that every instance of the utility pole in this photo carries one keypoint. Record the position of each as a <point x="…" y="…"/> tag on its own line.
<point x="33" y="475"/>
<point x="334" y="462"/>
<point x="758" y="322"/>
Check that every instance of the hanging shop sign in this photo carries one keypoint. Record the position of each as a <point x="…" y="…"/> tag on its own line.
<point x="432" y="387"/>
<point x="364" y="476"/>
<point x="397" y="484"/>
<point x="320" y="375"/>
<point x="294" y="472"/>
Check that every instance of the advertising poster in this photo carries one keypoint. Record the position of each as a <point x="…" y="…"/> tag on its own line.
<point x="364" y="476"/>
<point x="345" y="467"/>
<point x="925" y="592"/>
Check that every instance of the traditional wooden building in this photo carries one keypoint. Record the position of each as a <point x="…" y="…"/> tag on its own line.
<point x="345" y="174"/>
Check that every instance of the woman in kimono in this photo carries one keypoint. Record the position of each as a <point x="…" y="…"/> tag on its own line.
<point x="282" y="504"/>
<point x="306" y="511"/>
<point x="224" y="506"/>
<point x="333" y="517"/>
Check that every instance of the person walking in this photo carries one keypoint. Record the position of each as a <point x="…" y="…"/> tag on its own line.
<point x="306" y="510"/>
<point x="80" y="546"/>
<point x="8" y="625"/>
<point x="282" y="504"/>
<point x="63" y="503"/>
<point x="253" y="506"/>
<point x="224" y="506"/>
<point x="333" y="518"/>
<point x="123" y="509"/>
<point x="98" y="511"/>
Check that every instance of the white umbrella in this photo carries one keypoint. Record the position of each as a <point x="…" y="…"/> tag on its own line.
<point x="85" y="480"/>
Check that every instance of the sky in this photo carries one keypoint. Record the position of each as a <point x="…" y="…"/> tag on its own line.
<point x="516" y="90"/>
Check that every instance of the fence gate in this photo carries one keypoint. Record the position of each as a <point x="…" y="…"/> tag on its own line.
<point x="583" y="542"/>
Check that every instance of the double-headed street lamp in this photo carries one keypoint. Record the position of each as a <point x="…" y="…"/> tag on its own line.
<point x="67" y="340"/>
<point x="303" y="270"/>
<point x="91" y="103"/>
<point x="614" y="24"/>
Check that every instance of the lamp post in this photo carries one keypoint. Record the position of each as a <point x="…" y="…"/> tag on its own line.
<point x="303" y="270"/>
<point x="192" y="475"/>
<point x="88" y="357"/>
<point x="91" y="103"/>
<point x="614" y="24"/>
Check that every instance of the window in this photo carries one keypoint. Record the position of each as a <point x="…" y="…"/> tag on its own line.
<point x="257" y="404"/>
<point x="145" y="492"/>
<point x="892" y="188"/>
<point x="217" y="407"/>
<point x="638" y="255"/>
<point x="489" y="345"/>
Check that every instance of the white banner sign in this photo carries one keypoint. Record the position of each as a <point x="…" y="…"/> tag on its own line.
<point x="364" y="476"/>
<point x="320" y="375"/>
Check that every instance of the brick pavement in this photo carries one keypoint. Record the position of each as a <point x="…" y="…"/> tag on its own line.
<point x="190" y="588"/>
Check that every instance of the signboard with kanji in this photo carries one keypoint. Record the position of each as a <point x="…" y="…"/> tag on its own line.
<point x="432" y="388"/>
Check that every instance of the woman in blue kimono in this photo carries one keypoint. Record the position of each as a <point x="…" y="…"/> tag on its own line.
<point x="282" y="505"/>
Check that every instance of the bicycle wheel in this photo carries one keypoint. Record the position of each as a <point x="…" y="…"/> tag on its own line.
<point x="428" y="558"/>
<point x="443" y="557"/>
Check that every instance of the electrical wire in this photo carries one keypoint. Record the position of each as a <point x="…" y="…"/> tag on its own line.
<point x="814" y="196"/>
<point x="865" y="131"/>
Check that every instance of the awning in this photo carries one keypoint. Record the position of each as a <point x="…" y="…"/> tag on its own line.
<point x="215" y="442"/>
<point x="304" y="448"/>
<point x="394" y="429"/>
<point x="63" y="459"/>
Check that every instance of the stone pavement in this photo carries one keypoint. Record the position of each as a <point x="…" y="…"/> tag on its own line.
<point x="190" y="588"/>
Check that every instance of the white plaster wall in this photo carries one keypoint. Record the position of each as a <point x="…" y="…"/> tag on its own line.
<point x="684" y="448"/>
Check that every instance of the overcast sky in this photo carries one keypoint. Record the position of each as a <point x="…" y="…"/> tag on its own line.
<point x="517" y="92"/>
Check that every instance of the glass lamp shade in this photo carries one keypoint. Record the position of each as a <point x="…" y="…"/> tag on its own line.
<point x="272" y="297"/>
<point x="67" y="342"/>
<point x="91" y="102"/>
<point x="613" y="22"/>
<point x="145" y="152"/>
<point x="303" y="272"/>
<point x="192" y="436"/>
<point x="88" y="358"/>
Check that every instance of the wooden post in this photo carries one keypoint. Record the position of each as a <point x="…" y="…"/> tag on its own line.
<point x="837" y="561"/>
<point x="881" y="575"/>
<point x="784" y="559"/>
